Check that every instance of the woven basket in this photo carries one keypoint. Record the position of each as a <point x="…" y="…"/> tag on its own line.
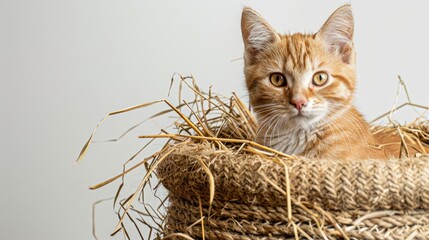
<point x="330" y="199"/>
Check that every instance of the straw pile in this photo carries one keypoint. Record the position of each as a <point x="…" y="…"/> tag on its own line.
<point x="222" y="185"/>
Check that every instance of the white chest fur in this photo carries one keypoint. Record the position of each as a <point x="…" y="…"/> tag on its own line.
<point x="289" y="138"/>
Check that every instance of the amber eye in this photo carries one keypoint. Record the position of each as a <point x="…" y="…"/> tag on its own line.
<point x="320" y="78"/>
<point x="278" y="80"/>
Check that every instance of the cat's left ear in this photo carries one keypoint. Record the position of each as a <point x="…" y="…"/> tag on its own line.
<point x="337" y="33"/>
<point x="257" y="33"/>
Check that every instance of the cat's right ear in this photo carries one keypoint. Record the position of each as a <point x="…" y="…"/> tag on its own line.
<point x="337" y="33"/>
<point x="257" y="33"/>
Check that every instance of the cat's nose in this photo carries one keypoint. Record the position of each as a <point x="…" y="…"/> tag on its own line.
<point x="298" y="103"/>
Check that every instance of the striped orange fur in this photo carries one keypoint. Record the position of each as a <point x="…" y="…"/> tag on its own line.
<point x="301" y="88"/>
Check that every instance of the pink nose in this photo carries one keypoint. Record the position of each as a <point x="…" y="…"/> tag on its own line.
<point x="298" y="103"/>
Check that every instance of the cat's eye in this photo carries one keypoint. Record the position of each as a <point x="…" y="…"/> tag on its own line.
<point x="320" y="79"/>
<point x="278" y="79"/>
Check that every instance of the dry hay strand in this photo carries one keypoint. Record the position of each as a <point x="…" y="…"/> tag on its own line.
<point x="222" y="185"/>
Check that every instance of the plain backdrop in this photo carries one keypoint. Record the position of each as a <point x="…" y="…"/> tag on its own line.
<point x="65" y="64"/>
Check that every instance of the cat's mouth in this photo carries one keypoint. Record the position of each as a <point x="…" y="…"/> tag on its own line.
<point x="301" y="118"/>
<point x="303" y="115"/>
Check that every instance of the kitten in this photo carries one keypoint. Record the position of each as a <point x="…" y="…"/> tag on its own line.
<point x="301" y="89"/>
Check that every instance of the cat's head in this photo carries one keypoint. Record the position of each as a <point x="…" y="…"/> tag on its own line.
<point x="304" y="78"/>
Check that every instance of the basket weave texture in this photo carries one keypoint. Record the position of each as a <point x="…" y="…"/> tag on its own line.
<point x="330" y="199"/>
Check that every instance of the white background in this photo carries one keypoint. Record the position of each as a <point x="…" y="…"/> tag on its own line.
<point x="65" y="64"/>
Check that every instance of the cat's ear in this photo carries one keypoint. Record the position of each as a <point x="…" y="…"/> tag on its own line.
<point x="257" y="33"/>
<point x="337" y="33"/>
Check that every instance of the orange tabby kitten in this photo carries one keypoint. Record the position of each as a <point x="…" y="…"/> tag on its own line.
<point x="301" y="88"/>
